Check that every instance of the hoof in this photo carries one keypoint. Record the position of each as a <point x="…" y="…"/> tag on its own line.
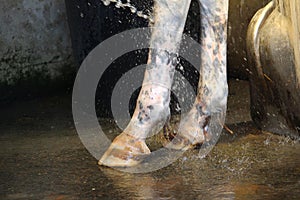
<point x="125" y="151"/>
<point x="190" y="135"/>
<point x="185" y="142"/>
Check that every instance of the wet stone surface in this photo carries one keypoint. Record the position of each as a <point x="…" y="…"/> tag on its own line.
<point x="42" y="158"/>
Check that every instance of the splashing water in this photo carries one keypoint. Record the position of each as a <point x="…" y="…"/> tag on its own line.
<point x="128" y="5"/>
<point x="165" y="43"/>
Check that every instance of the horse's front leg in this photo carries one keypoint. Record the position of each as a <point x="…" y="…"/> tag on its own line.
<point x="152" y="108"/>
<point x="208" y="112"/>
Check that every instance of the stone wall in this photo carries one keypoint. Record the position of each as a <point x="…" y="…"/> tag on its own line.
<point x="35" y="49"/>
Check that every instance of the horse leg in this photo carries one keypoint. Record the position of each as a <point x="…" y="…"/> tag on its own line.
<point x="208" y="111"/>
<point x="152" y="108"/>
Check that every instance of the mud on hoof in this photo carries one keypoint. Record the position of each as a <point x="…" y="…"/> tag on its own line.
<point x="191" y="134"/>
<point x="190" y="137"/>
<point x="185" y="142"/>
<point x="125" y="151"/>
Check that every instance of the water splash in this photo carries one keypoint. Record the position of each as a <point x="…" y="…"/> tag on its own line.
<point x="128" y="5"/>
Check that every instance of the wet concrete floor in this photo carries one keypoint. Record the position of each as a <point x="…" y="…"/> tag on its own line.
<point x="42" y="157"/>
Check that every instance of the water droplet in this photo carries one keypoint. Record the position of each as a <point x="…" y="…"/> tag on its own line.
<point x="118" y="4"/>
<point x="133" y="9"/>
<point x="139" y="13"/>
<point x="106" y="2"/>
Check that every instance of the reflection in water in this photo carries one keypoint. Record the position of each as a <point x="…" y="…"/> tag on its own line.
<point x="42" y="163"/>
<point x="251" y="167"/>
<point x="138" y="185"/>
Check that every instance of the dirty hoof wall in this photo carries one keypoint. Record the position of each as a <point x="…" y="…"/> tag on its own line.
<point x="191" y="133"/>
<point x="125" y="151"/>
<point x="182" y="143"/>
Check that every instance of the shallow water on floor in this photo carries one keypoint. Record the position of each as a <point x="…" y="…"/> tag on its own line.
<point x="43" y="158"/>
<point x="56" y="166"/>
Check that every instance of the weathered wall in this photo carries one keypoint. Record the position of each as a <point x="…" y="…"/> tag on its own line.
<point x="35" y="49"/>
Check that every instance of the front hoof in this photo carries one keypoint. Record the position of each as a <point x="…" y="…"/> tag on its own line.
<point x="125" y="151"/>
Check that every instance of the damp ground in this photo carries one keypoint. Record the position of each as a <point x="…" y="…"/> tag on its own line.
<point x="42" y="157"/>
